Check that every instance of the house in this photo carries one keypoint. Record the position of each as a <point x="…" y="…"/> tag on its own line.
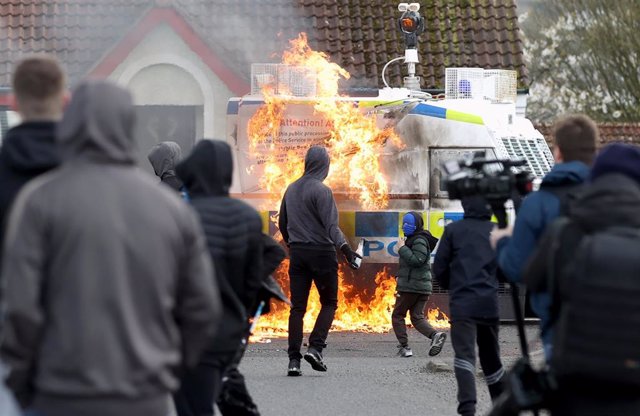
<point x="183" y="59"/>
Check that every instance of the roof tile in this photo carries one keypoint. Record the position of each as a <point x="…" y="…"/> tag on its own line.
<point x="362" y="35"/>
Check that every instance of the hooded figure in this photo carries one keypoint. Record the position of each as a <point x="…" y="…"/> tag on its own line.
<point x="309" y="225"/>
<point x="413" y="286"/>
<point x="109" y="286"/>
<point x="234" y="237"/>
<point x="164" y="157"/>
<point x="415" y="228"/>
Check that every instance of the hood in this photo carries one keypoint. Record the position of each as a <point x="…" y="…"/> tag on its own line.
<point x="208" y="169"/>
<point x="164" y="157"/>
<point x="618" y="158"/>
<point x="566" y="173"/>
<point x="316" y="163"/>
<point x="612" y="199"/>
<point x="98" y="124"/>
<point x="419" y="222"/>
<point x="476" y="207"/>
<point x="31" y="147"/>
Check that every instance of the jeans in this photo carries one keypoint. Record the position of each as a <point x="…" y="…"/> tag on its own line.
<point x="311" y="266"/>
<point x="414" y="303"/>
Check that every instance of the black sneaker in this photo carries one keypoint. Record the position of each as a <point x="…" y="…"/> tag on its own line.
<point x="294" y="368"/>
<point x="437" y="342"/>
<point x="314" y="358"/>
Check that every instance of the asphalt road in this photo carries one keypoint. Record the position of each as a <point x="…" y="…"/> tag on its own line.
<point x="366" y="378"/>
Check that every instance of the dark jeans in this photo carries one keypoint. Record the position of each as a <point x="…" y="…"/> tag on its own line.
<point x="200" y="387"/>
<point x="464" y="335"/>
<point x="414" y="303"/>
<point x="320" y="267"/>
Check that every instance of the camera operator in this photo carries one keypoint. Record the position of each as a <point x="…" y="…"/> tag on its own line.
<point x="466" y="265"/>
<point x="575" y="139"/>
<point x="588" y="262"/>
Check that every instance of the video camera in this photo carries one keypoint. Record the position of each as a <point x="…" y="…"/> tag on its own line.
<point x="497" y="180"/>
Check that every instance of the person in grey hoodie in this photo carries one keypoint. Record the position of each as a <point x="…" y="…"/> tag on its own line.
<point x="308" y="221"/>
<point x="164" y="157"/>
<point x="110" y="289"/>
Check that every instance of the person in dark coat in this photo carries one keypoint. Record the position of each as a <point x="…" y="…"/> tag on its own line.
<point x="164" y="157"/>
<point x="308" y="221"/>
<point x="29" y="149"/>
<point x="109" y="287"/>
<point x="234" y="236"/>
<point x="611" y="200"/>
<point x="465" y="264"/>
<point x="235" y="399"/>
<point x="413" y="286"/>
<point x="575" y="138"/>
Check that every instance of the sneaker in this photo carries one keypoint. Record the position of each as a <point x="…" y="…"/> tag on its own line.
<point x="404" y="351"/>
<point x="314" y="358"/>
<point x="437" y="342"/>
<point x="294" y="368"/>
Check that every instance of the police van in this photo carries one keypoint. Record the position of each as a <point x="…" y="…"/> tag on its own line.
<point x="477" y="112"/>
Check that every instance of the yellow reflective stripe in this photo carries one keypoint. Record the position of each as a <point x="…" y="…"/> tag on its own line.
<point x="465" y="117"/>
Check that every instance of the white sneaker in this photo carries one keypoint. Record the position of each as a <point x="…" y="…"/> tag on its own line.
<point x="404" y="351"/>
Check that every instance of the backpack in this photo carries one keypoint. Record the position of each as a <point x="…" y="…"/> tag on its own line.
<point x="596" y="305"/>
<point x="566" y="194"/>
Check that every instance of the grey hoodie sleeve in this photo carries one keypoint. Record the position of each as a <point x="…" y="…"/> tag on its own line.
<point x="328" y="213"/>
<point x="22" y="273"/>
<point x="198" y="305"/>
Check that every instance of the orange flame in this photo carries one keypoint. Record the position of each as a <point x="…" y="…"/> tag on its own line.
<point x="354" y="140"/>
<point x="354" y="313"/>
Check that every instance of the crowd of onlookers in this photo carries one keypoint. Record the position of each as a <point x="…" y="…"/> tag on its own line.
<point x="122" y="296"/>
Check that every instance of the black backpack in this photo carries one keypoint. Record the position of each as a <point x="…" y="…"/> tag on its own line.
<point x="596" y="305"/>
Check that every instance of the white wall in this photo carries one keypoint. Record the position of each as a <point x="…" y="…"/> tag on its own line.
<point x="163" y="70"/>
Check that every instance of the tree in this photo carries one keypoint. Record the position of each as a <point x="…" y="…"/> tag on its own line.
<point x="582" y="56"/>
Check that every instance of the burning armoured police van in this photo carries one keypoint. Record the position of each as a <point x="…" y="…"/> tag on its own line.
<point x="393" y="165"/>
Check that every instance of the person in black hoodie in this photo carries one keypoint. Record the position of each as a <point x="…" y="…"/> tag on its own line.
<point x="235" y="399"/>
<point x="29" y="149"/>
<point x="234" y="236"/>
<point x="308" y="221"/>
<point x="164" y="157"/>
<point x="465" y="264"/>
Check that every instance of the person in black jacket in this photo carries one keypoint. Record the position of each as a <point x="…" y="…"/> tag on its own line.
<point x="235" y="399"/>
<point x="465" y="264"/>
<point x="308" y="222"/>
<point x="234" y="236"/>
<point x="29" y="149"/>
<point x="591" y="342"/>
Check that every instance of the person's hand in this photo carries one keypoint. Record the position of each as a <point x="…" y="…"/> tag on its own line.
<point x="498" y="234"/>
<point x="350" y="255"/>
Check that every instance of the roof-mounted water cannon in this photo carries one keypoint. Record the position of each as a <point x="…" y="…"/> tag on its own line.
<point x="411" y="25"/>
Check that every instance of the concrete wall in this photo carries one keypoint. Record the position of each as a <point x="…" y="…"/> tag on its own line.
<point x="163" y="70"/>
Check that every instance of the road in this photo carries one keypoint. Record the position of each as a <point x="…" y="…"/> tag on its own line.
<point x="366" y="378"/>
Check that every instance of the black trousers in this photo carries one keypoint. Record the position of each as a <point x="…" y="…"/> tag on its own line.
<point x="414" y="303"/>
<point x="464" y="336"/>
<point x="234" y="399"/>
<point x="200" y="387"/>
<point x="311" y="266"/>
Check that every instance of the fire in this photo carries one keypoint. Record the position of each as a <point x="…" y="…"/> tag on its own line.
<point x="353" y="138"/>
<point x="357" y="311"/>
